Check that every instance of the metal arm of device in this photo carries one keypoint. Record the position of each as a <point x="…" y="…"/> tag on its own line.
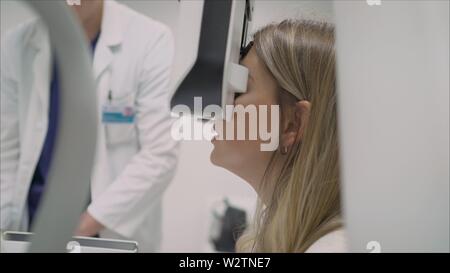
<point x="68" y="184"/>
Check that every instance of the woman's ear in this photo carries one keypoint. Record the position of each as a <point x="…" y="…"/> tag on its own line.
<point x="295" y="126"/>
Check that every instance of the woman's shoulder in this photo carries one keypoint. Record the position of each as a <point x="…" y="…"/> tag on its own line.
<point x="335" y="241"/>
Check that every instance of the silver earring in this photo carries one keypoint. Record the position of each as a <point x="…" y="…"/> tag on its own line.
<point x="284" y="150"/>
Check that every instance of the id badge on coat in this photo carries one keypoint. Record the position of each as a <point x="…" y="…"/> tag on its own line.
<point x="118" y="114"/>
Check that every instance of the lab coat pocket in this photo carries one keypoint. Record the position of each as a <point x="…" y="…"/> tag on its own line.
<point x="120" y="134"/>
<point x="119" y="120"/>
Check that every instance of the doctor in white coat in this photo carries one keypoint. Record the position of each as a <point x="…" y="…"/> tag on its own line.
<point x="135" y="161"/>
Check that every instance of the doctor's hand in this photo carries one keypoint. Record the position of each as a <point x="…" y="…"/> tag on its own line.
<point x="88" y="226"/>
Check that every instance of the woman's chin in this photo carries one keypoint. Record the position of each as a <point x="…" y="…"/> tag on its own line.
<point x="218" y="158"/>
<point x="214" y="157"/>
<point x="225" y="156"/>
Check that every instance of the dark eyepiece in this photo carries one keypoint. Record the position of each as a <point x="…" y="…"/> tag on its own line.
<point x="245" y="50"/>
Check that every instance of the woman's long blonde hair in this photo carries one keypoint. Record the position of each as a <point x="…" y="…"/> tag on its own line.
<point x="304" y="202"/>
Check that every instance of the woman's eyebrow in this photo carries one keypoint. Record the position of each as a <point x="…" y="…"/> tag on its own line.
<point x="250" y="76"/>
<point x="250" y="73"/>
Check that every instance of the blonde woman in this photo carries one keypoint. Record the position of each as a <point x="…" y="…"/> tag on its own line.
<point x="291" y="64"/>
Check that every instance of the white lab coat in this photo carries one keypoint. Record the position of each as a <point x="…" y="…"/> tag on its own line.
<point x="134" y="163"/>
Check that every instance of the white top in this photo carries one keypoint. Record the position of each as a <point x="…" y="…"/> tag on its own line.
<point x="335" y="241"/>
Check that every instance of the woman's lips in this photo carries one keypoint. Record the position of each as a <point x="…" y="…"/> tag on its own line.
<point x="214" y="133"/>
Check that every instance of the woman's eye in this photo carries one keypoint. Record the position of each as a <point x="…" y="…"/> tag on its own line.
<point x="236" y="95"/>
